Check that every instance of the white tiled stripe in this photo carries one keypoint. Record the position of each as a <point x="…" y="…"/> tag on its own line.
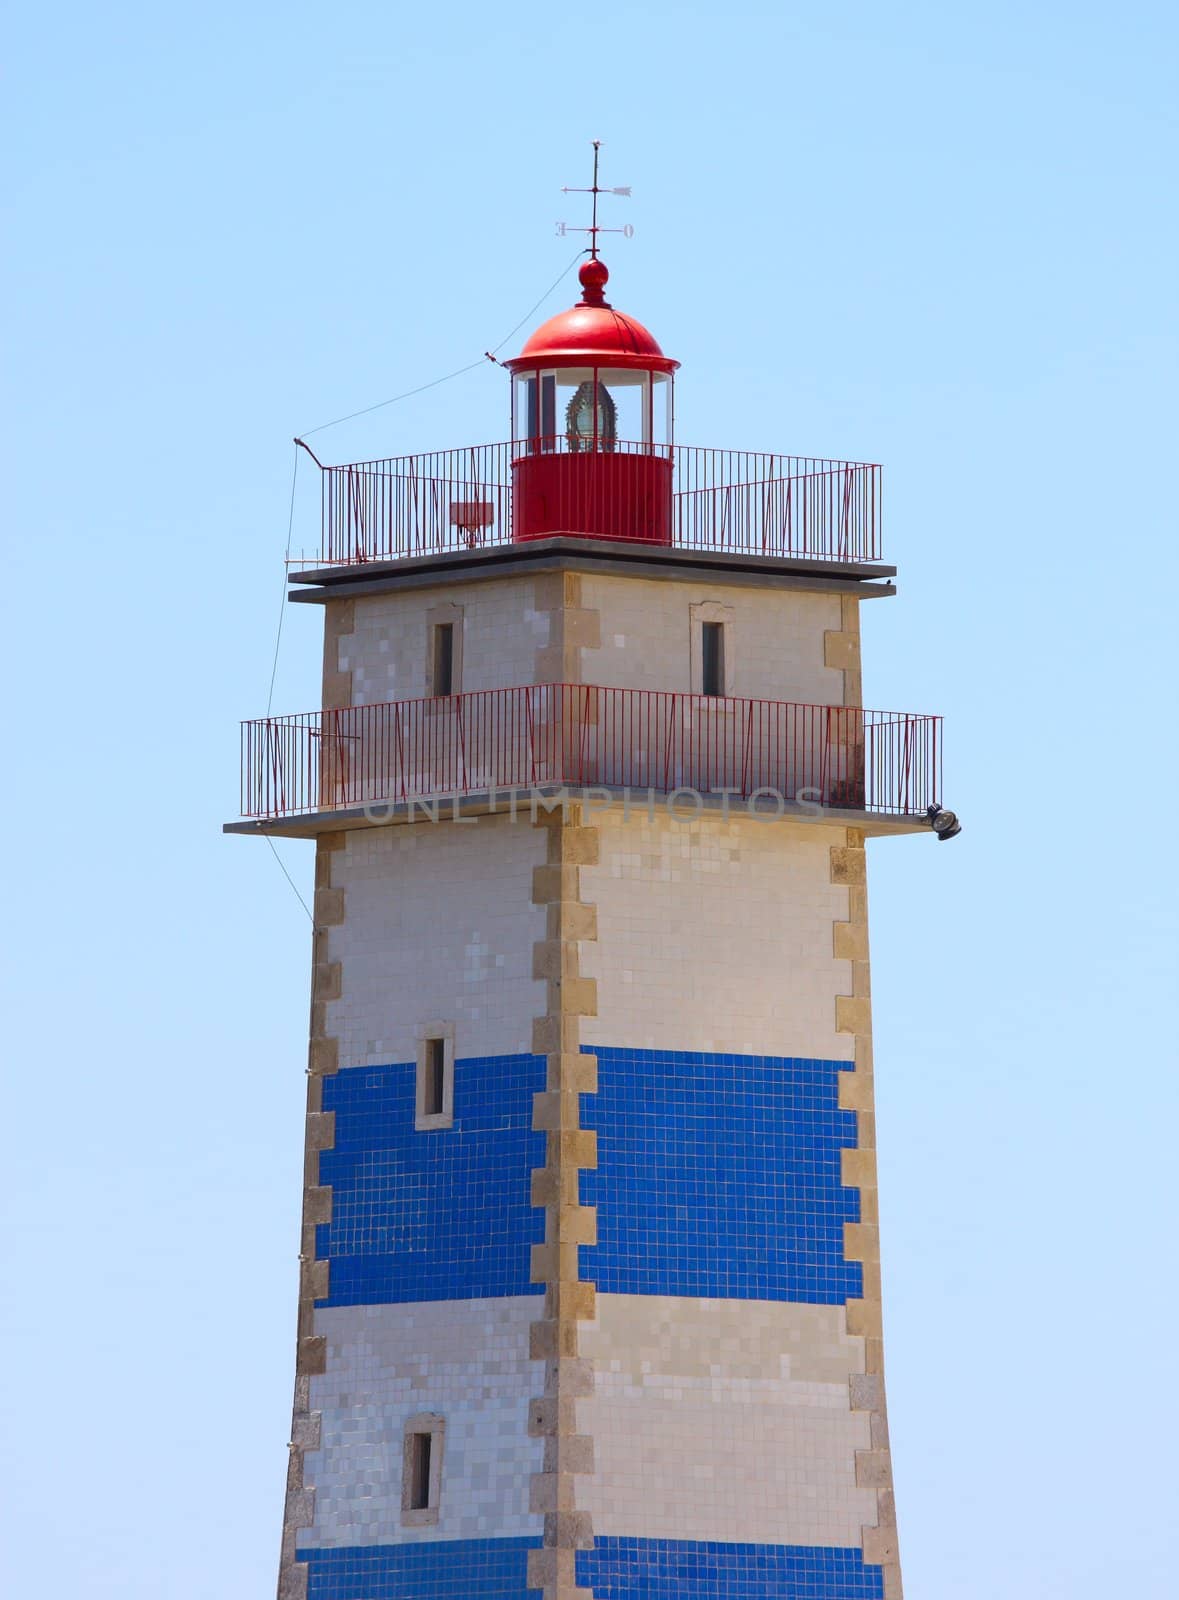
<point x="468" y="1360"/>
<point x="439" y="926"/>
<point x="715" y="936"/>
<point x="386" y="652"/>
<point x="773" y="638"/>
<point x="723" y="1420"/>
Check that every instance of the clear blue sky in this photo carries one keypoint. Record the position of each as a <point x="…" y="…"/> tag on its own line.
<point x="939" y="237"/>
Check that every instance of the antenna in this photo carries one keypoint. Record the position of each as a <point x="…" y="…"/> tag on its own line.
<point x="563" y="228"/>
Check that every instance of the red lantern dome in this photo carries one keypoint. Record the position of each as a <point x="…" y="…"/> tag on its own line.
<point x="593" y="333"/>
<point x="592" y="424"/>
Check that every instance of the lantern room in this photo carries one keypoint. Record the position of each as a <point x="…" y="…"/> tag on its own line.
<point x="592" y="418"/>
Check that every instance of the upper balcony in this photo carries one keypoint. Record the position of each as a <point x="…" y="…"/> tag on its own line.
<point x="376" y="763"/>
<point x="645" y="495"/>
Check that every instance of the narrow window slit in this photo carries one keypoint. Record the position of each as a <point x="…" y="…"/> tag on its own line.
<point x="435" y="1086"/>
<point x="434" y="1093"/>
<point x="444" y="658"/>
<point x="423" y="1442"/>
<point x="712" y="658"/>
<point x="419" y="1460"/>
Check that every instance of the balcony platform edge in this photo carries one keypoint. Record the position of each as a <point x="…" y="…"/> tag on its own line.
<point x="451" y="808"/>
<point x="565" y="552"/>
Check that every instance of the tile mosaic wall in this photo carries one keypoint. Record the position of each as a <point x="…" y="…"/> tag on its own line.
<point x="440" y="925"/>
<point x="773" y="640"/>
<point x="773" y="646"/>
<point x="466" y="1569"/>
<point x="715" y="936"/>
<point x="723" y="1419"/>
<point x="720" y="1413"/>
<point x="387" y="651"/>
<point x="617" y="1569"/>
<point x="719" y="1176"/>
<point x="467" y="1360"/>
<point x="647" y="1569"/>
<point x="443" y="1215"/>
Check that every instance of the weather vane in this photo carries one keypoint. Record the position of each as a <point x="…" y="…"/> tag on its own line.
<point x="563" y="228"/>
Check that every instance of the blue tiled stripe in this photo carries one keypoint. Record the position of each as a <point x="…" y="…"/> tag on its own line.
<point x="450" y="1569"/>
<point x="616" y="1569"/>
<point x="719" y="1176"/>
<point x="667" y="1569"/>
<point x="442" y="1215"/>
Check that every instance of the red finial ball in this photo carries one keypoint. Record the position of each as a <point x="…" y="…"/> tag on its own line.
<point x="594" y="278"/>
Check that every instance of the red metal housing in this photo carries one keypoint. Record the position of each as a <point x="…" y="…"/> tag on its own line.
<point x="571" y="471"/>
<point x="592" y="334"/>
<point x="622" y="495"/>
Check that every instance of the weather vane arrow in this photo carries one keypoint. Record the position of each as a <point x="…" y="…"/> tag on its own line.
<point x="627" y="231"/>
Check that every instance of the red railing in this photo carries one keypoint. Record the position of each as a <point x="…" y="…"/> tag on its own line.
<point x="734" y="501"/>
<point x="583" y="736"/>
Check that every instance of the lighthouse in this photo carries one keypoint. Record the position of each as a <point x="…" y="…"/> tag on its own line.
<point x="590" y="1299"/>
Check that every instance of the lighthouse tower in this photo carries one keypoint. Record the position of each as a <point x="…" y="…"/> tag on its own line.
<point x="590" y="1289"/>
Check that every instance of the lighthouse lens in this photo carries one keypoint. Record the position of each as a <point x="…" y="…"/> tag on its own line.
<point x="591" y="418"/>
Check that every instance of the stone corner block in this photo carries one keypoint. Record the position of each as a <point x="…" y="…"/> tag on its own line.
<point x="546" y="1112"/>
<point x="577" y="1224"/>
<point x="569" y="1530"/>
<point x="850" y="941"/>
<point x="853" y="1013"/>
<point x="300" y="1508"/>
<point x="579" y="1147"/>
<point x="312" y="1355"/>
<point x="329" y="907"/>
<point x="848" y="865"/>
<point x="579" y="847"/>
<point x="323" y="1057"/>
<point x="864" y="1319"/>
<point x="873" y="1469"/>
<point x="867" y="1391"/>
<point x="880" y="1546"/>
<point x="579" y="997"/>
<point x="542" y="1568"/>
<point x="840" y="649"/>
<point x="861" y="1242"/>
<point x="292" y="1582"/>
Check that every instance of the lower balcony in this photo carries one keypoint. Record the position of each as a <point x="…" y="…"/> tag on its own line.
<point x="371" y="763"/>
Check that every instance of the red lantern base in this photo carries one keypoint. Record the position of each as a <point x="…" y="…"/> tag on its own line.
<point x="599" y="494"/>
